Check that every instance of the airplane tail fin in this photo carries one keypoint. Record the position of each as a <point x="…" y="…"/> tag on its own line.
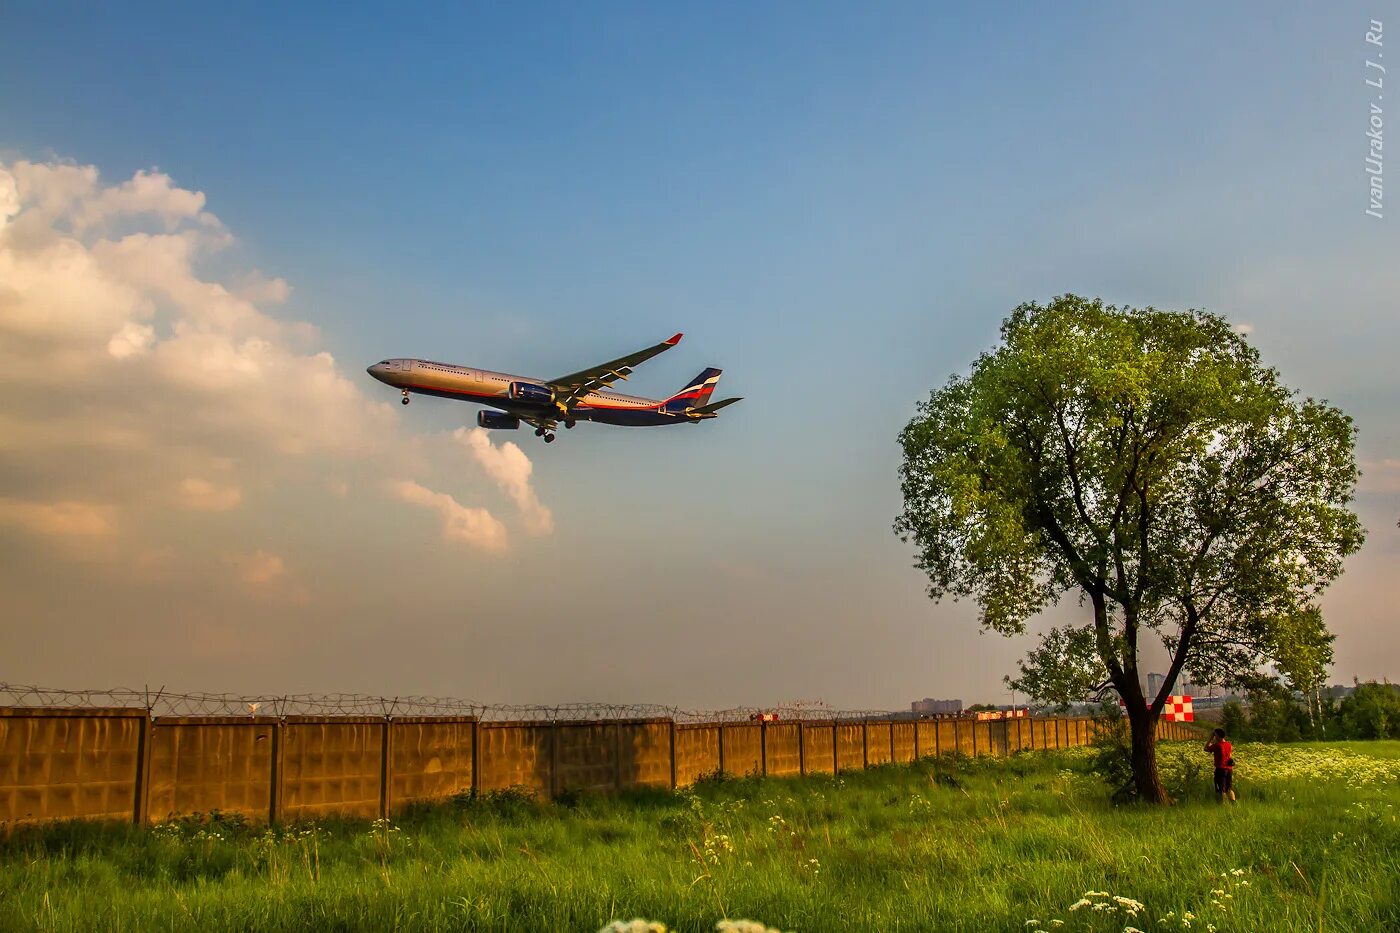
<point x="696" y="394"/>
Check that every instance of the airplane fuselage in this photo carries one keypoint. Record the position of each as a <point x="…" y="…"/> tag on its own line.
<point x="493" y="389"/>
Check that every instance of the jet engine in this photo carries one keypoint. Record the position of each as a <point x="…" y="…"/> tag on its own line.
<point x="497" y="420"/>
<point x="530" y="392"/>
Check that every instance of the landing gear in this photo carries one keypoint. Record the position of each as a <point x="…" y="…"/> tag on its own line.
<point x="570" y="424"/>
<point x="549" y="437"/>
<point x="539" y="432"/>
<point x="405" y="396"/>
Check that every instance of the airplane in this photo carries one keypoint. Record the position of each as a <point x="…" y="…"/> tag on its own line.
<point x="545" y="403"/>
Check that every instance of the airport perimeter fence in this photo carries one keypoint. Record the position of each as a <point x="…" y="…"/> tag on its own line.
<point x="151" y="756"/>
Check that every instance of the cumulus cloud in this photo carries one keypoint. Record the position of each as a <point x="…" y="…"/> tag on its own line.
<point x="1244" y="328"/>
<point x="508" y="466"/>
<point x="203" y="496"/>
<point x="137" y="384"/>
<point x="476" y="527"/>
<point x="64" y="519"/>
<point x="258" y="568"/>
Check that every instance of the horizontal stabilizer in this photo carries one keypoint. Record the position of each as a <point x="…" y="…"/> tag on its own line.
<point x="711" y="409"/>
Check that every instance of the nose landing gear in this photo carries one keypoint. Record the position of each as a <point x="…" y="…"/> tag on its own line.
<point x="405" y="396"/>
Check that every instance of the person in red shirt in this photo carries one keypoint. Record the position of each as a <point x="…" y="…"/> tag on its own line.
<point x="1224" y="753"/>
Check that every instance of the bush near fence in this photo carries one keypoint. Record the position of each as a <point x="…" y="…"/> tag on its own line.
<point x="124" y="764"/>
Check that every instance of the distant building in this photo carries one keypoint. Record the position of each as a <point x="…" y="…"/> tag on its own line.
<point x="931" y="707"/>
<point x="1154" y="683"/>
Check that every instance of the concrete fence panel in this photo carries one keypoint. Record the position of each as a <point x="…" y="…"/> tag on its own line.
<point x="782" y="748"/>
<point x="947" y="732"/>
<point x="926" y="734"/>
<point x="1000" y="733"/>
<point x="585" y="756"/>
<point x="697" y="752"/>
<point x="644" y="749"/>
<point x="66" y="764"/>
<point x="430" y="758"/>
<point x="902" y="741"/>
<point x="982" y="738"/>
<point x="200" y="764"/>
<point x="850" y="746"/>
<point x="962" y="728"/>
<point x="1042" y="736"/>
<point x="818" y="748"/>
<point x="743" y="748"/>
<point x="879" y="741"/>
<point x="1019" y="735"/>
<point x="515" y="754"/>
<point x="331" y="766"/>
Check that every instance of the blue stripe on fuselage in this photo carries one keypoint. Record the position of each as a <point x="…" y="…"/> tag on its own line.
<point x="625" y="417"/>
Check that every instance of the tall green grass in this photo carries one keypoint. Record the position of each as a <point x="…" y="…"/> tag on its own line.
<point x="957" y="844"/>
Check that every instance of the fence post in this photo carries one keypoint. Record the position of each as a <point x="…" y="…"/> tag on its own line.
<point x="836" y="746"/>
<point x="277" y="804"/>
<point x="974" y="738"/>
<point x="801" y="747"/>
<point x="864" y="744"/>
<point x="553" y="758"/>
<point x="673" y="754"/>
<point x="721" y="749"/>
<point x="916" y="739"/>
<point x="476" y="756"/>
<point x="141" y="808"/>
<point x="763" y="748"/>
<point x="385" y="764"/>
<point x="617" y="755"/>
<point x="892" y="758"/>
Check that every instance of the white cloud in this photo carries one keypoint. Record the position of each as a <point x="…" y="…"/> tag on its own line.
<point x="476" y="527"/>
<point x="1244" y="328"/>
<point x="132" y="340"/>
<point x="258" y="568"/>
<point x="64" y="519"/>
<point x="134" y="382"/>
<point x="201" y="495"/>
<point x="150" y="193"/>
<point x="511" y="469"/>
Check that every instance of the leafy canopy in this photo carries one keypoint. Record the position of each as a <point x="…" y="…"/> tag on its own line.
<point x="1148" y="461"/>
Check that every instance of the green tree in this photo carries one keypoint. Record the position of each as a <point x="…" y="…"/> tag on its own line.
<point x="1372" y="712"/>
<point x="1302" y="649"/>
<point x="1146" y="462"/>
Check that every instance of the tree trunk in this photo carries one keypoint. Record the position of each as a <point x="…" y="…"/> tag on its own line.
<point x="1142" y="728"/>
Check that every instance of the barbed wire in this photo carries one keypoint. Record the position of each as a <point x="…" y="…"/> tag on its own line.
<point x="162" y="702"/>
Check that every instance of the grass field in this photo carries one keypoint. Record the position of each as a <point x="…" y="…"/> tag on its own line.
<point x="1021" y="844"/>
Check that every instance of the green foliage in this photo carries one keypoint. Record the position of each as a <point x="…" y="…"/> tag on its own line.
<point x="1371" y="712"/>
<point x="1150" y="463"/>
<point x="1234" y="720"/>
<point x="1314" y="834"/>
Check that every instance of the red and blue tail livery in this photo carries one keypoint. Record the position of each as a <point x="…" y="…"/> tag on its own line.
<point x="544" y="403"/>
<point x="697" y="394"/>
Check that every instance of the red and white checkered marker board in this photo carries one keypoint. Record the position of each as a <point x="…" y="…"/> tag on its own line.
<point x="1178" y="709"/>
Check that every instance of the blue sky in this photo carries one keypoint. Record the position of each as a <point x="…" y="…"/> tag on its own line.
<point x="836" y="203"/>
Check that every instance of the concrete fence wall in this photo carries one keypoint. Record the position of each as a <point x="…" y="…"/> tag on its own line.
<point x="121" y="764"/>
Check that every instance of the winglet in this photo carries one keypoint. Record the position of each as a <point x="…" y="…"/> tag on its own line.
<point x="674" y="340"/>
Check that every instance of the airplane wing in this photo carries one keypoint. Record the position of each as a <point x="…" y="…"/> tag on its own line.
<point x="575" y="386"/>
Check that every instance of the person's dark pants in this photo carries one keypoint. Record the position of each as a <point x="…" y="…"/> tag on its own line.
<point x="1224" y="780"/>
